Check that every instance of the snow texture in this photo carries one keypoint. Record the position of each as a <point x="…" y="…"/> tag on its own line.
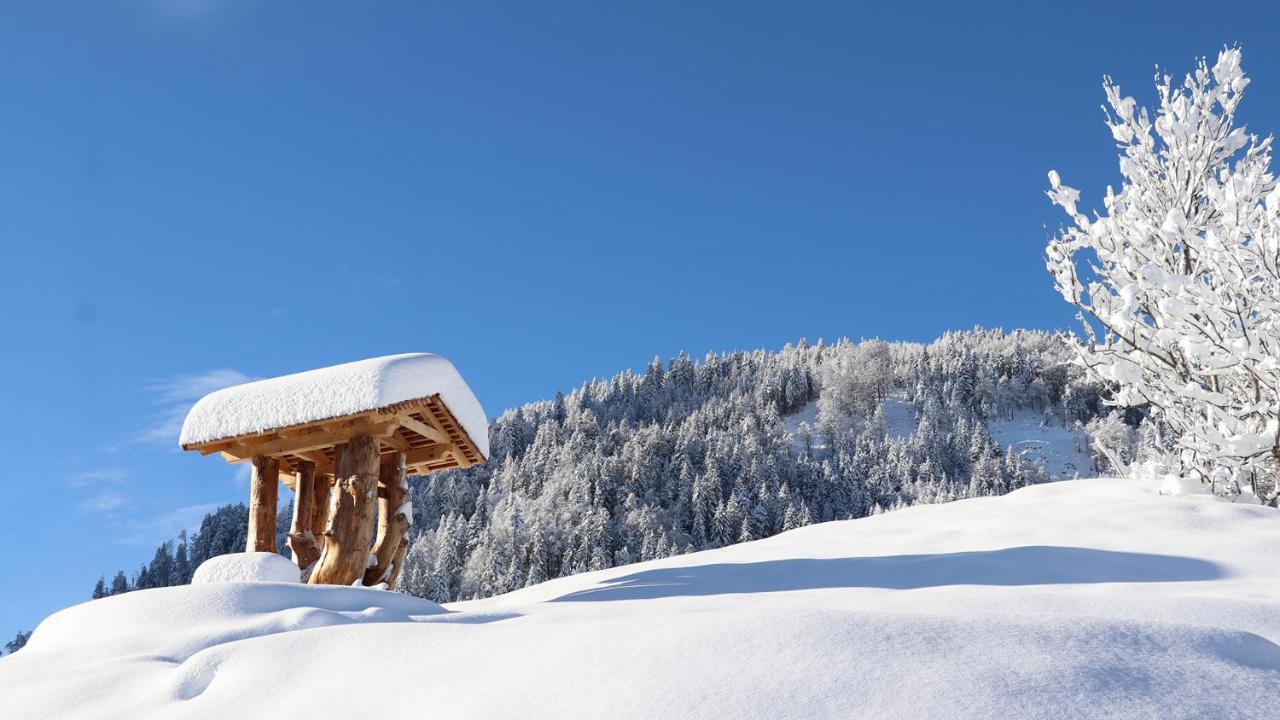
<point x="899" y="418"/>
<point x="802" y="427"/>
<point x="805" y="417"/>
<point x="335" y="391"/>
<point x="406" y="509"/>
<point x="1085" y="598"/>
<point x="1176" y="485"/>
<point x="246" y="567"/>
<point x="1061" y="450"/>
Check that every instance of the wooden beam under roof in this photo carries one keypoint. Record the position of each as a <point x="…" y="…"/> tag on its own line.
<point x="323" y="438"/>
<point x="425" y="429"/>
<point x="401" y="408"/>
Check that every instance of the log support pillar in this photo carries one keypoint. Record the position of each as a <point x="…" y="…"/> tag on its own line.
<point x="264" y="489"/>
<point x="320" y="505"/>
<point x="349" y="530"/>
<point x="301" y="539"/>
<point x="393" y="522"/>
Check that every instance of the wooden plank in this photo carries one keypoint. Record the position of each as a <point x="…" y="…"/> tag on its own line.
<point x="395" y="442"/>
<point x="314" y="440"/>
<point x="321" y="460"/>
<point x="443" y="418"/>
<point x="431" y="454"/>
<point x="211" y="446"/>
<point x="424" y="430"/>
<point x="448" y="443"/>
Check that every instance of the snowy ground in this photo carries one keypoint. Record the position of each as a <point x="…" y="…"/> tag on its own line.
<point x="900" y="419"/>
<point x="802" y="426"/>
<point x="1061" y="450"/>
<point x="1086" y="598"/>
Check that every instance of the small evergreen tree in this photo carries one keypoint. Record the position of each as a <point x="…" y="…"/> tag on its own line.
<point x="18" y="642"/>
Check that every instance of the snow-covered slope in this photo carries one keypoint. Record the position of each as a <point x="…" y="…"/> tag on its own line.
<point x="1088" y="598"/>
<point x="1061" y="450"/>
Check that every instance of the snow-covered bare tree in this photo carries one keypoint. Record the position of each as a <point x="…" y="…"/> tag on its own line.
<point x="1178" y="279"/>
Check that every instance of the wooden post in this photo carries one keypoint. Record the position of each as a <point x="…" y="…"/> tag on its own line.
<point x="301" y="540"/>
<point x="344" y="557"/>
<point x="398" y="563"/>
<point x="264" y="490"/>
<point x="320" y="505"/>
<point x="393" y="525"/>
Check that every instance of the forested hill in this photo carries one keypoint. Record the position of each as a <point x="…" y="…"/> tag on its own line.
<point x="690" y="455"/>
<point x="687" y="455"/>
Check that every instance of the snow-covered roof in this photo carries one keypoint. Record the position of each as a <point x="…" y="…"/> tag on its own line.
<point x="334" y="392"/>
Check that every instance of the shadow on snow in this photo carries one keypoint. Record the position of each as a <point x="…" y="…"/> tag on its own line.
<point x="1029" y="565"/>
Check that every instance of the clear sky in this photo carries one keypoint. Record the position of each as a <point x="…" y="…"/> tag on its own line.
<point x="194" y="192"/>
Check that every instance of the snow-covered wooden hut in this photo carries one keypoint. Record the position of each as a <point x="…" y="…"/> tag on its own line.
<point x="343" y="439"/>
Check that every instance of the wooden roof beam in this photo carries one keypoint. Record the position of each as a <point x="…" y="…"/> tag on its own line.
<point x="425" y="430"/>
<point x="311" y="441"/>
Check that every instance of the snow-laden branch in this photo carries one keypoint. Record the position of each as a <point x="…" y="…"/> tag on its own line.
<point x="1180" y="271"/>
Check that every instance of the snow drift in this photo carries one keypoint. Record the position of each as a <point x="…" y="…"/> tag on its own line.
<point x="246" y="567"/>
<point x="1087" y="598"/>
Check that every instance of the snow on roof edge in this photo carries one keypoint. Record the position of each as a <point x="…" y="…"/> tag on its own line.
<point x="335" y="391"/>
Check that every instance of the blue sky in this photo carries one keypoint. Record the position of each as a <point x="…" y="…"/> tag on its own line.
<point x="196" y="192"/>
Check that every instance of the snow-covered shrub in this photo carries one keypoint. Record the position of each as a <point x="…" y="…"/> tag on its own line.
<point x="1113" y="444"/>
<point x="1178" y="278"/>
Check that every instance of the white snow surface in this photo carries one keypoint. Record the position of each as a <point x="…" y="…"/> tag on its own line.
<point x="1061" y="450"/>
<point x="335" y="391"/>
<point x="246" y="567"/>
<point x="900" y="419"/>
<point x="1082" y="599"/>
<point x="802" y="427"/>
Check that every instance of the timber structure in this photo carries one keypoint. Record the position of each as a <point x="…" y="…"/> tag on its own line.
<point x="345" y="457"/>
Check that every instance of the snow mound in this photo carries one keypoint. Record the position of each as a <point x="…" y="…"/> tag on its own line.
<point x="1174" y="485"/>
<point x="1085" y="598"/>
<point x="143" y="653"/>
<point x="246" y="567"/>
<point x="335" y="391"/>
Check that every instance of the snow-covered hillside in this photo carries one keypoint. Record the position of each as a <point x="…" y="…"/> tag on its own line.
<point x="1061" y="450"/>
<point x="1087" y="598"/>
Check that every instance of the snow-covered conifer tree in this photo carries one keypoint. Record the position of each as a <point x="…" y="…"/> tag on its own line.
<point x="1178" y="278"/>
